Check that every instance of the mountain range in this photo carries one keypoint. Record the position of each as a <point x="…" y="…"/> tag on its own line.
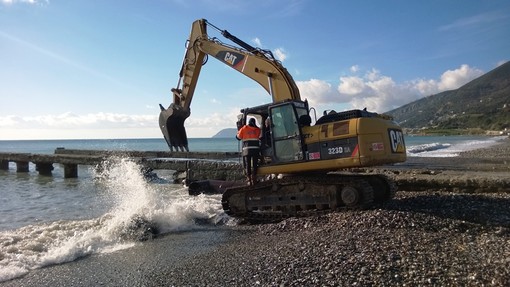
<point x="226" y="133"/>
<point x="480" y="105"/>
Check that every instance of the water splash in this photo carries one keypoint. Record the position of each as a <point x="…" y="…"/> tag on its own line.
<point x="427" y="148"/>
<point x="139" y="211"/>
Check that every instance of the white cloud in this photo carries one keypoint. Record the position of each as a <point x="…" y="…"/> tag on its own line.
<point x="425" y="87"/>
<point x="453" y="79"/>
<point x="73" y="121"/>
<point x="449" y="80"/>
<point x="107" y="125"/>
<point x="212" y="120"/>
<point x="354" y="68"/>
<point x="257" y="42"/>
<point x="280" y="54"/>
<point x="72" y="126"/>
<point x="208" y="125"/>
<point x="374" y="91"/>
<point x="351" y="85"/>
<point x="316" y="91"/>
<point x="381" y="93"/>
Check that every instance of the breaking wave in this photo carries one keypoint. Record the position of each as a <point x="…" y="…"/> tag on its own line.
<point x="427" y="147"/>
<point x="452" y="148"/>
<point x="140" y="210"/>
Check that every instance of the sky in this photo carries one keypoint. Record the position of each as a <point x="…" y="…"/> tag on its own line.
<point x="98" y="69"/>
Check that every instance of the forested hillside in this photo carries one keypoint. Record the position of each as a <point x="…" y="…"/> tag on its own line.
<point x="482" y="104"/>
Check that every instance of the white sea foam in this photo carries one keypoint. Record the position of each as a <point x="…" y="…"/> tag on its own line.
<point x="452" y="148"/>
<point x="427" y="147"/>
<point x="166" y="208"/>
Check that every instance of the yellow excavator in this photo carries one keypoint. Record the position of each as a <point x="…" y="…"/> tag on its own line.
<point x="312" y="155"/>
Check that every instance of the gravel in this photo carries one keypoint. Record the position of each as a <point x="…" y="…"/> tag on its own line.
<point x="499" y="151"/>
<point x="416" y="239"/>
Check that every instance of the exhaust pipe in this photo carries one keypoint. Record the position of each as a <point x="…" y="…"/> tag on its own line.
<point x="171" y="123"/>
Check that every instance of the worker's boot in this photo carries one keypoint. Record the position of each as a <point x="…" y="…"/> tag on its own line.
<point x="248" y="180"/>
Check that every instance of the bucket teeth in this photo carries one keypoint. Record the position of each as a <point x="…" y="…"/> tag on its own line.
<point x="171" y="122"/>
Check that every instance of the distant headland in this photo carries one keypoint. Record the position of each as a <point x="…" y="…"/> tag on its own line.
<point x="226" y="133"/>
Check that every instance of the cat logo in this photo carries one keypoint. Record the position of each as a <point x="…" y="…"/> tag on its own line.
<point x="231" y="58"/>
<point x="397" y="141"/>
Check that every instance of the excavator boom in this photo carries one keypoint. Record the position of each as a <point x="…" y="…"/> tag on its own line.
<point x="255" y="63"/>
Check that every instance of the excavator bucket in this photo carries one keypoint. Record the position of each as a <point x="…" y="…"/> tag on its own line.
<point x="171" y="122"/>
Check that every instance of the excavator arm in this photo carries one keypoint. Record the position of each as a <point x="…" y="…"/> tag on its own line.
<point x="257" y="64"/>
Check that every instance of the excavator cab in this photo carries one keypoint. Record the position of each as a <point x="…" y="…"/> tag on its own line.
<point x="282" y="137"/>
<point x="286" y="135"/>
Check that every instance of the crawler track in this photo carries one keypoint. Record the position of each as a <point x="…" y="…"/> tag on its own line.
<point x="298" y="196"/>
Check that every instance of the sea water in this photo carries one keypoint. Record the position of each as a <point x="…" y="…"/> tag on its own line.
<point x="47" y="220"/>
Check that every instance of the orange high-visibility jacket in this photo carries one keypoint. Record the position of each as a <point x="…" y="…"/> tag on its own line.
<point x="250" y="137"/>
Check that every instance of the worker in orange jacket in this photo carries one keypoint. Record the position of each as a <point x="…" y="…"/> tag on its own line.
<point x="250" y="135"/>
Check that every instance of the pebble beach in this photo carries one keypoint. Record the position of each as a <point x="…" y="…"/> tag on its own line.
<point x="434" y="236"/>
